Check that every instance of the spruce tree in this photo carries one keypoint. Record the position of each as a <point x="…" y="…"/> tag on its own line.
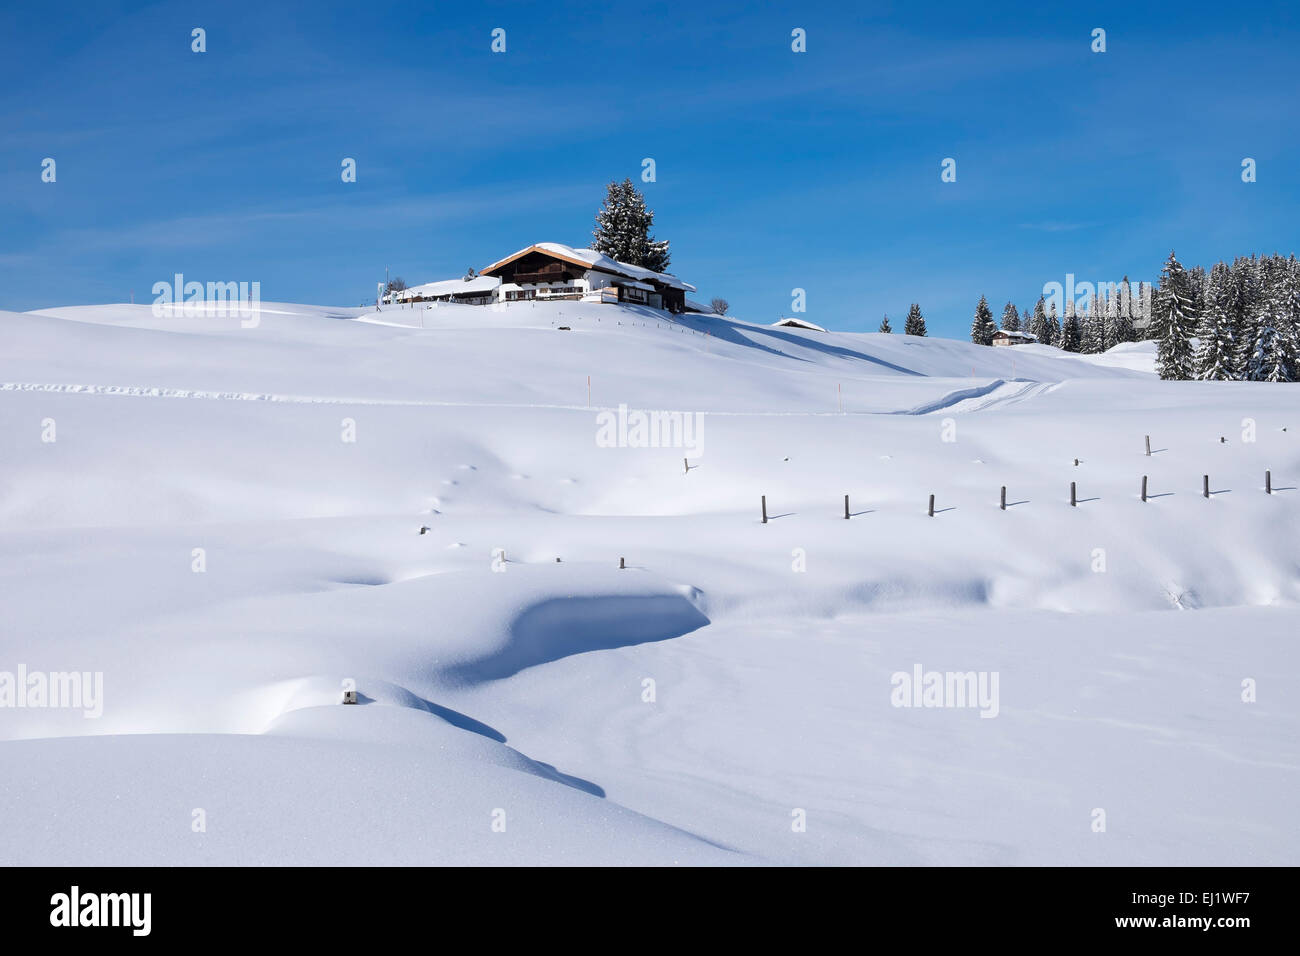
<point x="1144" y="307"/>
<point x="1053" y="327"/>
<point x="1090" y="336"/>
<point x="623" y="229"/>
<point x="1027" y="322"/>
<point x="1123" y="330"/>
<point x="1038" y="325"/>
<point x="1123" y="321"/>
<point x="983" y="327"/>
<point x="1011" y="319"/>
<point x="915" y="324"/>
<point x="1109" y="311"/>
<point x="1271" y="356"/>
<point x="1288" y="313"/>
<point x="1268" y="359"/>
<point x="885" y="326"/>
<point x="1216" y="356"/>
<point x="1197" y="284"/>
<point x="1071" y="331"/>
<point x="1175" y="322"/>
<point x="1237" y="305"/>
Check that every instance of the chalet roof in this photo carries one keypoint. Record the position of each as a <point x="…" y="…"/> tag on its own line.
<point x="1016" y="334"/>
<point x="590" y="259"/>
<point x="797" y="324"/>
<point x="478" y="285"/>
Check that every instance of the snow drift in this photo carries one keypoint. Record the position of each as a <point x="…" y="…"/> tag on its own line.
<point x="226" y="523"/>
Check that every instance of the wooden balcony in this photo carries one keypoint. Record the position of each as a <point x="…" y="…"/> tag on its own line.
<point x="563" y="276"/>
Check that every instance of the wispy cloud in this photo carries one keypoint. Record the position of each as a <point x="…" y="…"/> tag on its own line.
<point x="309" y="215"/>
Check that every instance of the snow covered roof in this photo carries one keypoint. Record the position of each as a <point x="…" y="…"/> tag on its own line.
<point x="479" y="284"/>
<point x="798" y="324"/>
<point x="633" y="284"/>
<point x="1017" y="335"/>
<point x="591" y="259"/>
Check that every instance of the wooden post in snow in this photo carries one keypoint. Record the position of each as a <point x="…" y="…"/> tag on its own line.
<point x="621" y="565"/>
<point x="846" y="507"/>
<point x="1144" y="487"/>
<point x="1003" y="504"/>
<point x="1074" y="501"/>
<point x="932" y="506"/>
<point x="1148" y="446"/>
<point x="686" y="466"/>
<point x="764" y="509"/>
<point x="1268" y="482"/>
<point x="1205" y="486"/>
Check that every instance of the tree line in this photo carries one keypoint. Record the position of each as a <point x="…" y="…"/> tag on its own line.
<point x="1238" y="322"/>
<point x="1107" y="318"/>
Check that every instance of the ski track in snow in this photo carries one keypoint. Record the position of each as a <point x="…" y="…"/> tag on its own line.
<point x="975" y="398"/>
<point x="981" y="397"/>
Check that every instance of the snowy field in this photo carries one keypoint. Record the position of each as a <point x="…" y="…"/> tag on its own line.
<point x="224" y="523"/>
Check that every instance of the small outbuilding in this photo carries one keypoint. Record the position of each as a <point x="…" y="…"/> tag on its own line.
<point x="1004" y="337"/>
<point x="477" y="291"/>
<point x="797" y="324"/>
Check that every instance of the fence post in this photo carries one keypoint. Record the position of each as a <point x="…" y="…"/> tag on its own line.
<point x="1148" y="446"/>
<point x="621" y="565"/>
<point x="1268" y="482"/>
<point x="846" y="507"/>
<point x="1205" y="486"/>
<point x="1144" y="487"/>
<point x="765" y="509"/>
<point x="932" y="506"/>
<point x="1004" y="498"/>
<point x="1073" y="499"/>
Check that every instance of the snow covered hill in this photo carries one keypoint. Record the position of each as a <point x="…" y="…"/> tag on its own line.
<point x="225" y="522"/>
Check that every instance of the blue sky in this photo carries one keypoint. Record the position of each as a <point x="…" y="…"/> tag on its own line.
<point x="775" y="170"/>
